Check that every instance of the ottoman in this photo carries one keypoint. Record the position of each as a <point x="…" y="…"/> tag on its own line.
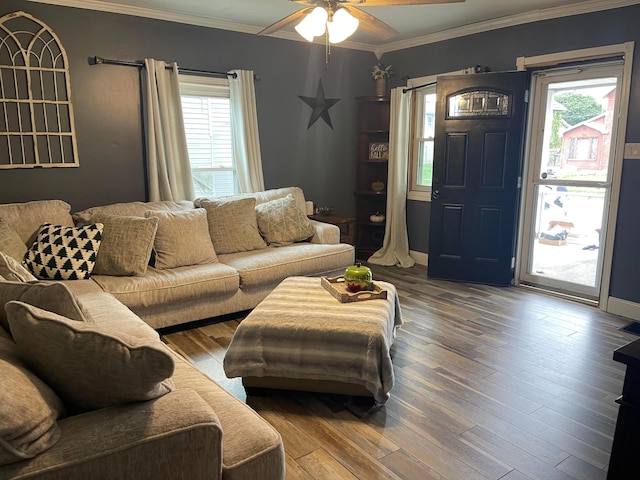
<point x="301" y="338"/>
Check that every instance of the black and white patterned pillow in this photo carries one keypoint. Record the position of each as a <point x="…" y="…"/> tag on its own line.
<point x="64" y="253"/>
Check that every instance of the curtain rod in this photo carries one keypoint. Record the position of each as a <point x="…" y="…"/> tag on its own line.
<point x="186" y="71"/>
<point x="405" y="90"/>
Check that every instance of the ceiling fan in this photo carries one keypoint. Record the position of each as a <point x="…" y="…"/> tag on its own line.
<point x="340" y="18"/>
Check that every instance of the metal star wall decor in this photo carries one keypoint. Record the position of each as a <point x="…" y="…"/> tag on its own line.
<point x="320" y="106"/>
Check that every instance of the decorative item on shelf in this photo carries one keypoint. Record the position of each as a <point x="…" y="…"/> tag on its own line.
<point x="381" y="74"/>
<point x="325" y="211"/>
<point x="379" y="151"/>
<point x="358" y="277"/>
<point x="377" y="217"/>
<point x="377" y="186"/>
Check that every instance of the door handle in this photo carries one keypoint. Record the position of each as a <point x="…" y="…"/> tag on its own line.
<point x="435" y="194"/>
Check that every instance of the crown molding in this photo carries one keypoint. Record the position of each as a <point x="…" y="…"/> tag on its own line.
<point x="191" y="20"/>
<point x="153" y="13"/>
<point x="578" y="8"/>
<point x="508" y="21"/>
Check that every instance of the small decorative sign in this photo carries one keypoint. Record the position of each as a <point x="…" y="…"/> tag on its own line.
<point x="379" y="151"/>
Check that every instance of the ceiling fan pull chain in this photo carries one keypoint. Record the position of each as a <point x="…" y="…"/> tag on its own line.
<point x="327" y="50"/>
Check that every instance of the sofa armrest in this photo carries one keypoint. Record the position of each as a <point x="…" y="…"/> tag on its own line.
<point x="177" y="435"/>
<point x="325" y="233"/>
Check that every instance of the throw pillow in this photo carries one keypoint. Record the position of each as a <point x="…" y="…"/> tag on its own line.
<point x="29" y="409"/>
<point x="64" y="253"/>
<point x="52" y="296"/>
<point x="126" y="244"/>
<point x="182" y="239"/>
<point x="27" y="218"/>
<point x="10" y="241"/>
<point x="89" y="367"/>
<point x="11" y="269"/>
<point x="281" y="222"/>
<point x="233" y="225"/>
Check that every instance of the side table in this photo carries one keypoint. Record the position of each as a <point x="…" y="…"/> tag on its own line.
<point x="346" y="225"/>
<point x="623" y="463"/>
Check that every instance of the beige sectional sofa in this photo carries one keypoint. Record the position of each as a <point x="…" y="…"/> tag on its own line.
<point x="188" y="427"/>
<point x="237" y="281"/>
<point x="195" y="431"/>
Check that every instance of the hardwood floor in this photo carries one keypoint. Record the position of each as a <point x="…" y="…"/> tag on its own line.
<point x="491" y="383"/>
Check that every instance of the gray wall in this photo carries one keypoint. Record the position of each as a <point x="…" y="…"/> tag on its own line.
<point x="107" y="107"/>
<point x="320" y="160"/>
<point x="498" y="50"/>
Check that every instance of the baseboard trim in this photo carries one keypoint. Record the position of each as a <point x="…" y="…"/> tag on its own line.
<point x="624" y="308"/>
<point x="420" y="257"/>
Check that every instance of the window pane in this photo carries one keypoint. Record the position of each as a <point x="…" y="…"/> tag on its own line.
<point x="478" y="103"/>
<point x="214" y="183"/>
<point x="207" y="121"/>
<point x="425" y="163"/>
<point x="429" y="120"/>
<point x="579" y="119"/>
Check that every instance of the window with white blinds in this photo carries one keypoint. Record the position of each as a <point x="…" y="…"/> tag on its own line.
<point x="207" y="122"/>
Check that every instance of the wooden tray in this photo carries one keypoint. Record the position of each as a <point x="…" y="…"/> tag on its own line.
<point x="336" y="287"/>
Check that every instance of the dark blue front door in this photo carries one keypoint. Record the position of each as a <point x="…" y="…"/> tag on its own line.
<point x="477" y="166"/>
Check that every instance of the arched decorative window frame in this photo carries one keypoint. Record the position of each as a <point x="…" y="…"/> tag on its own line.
<point x="41" y="91"/>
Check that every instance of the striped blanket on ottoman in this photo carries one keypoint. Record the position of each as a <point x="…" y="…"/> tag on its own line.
<point x="300" y="331"/>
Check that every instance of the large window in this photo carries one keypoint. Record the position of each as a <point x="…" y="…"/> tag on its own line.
<point x="423" y="122"/>
<point x="207" y="122"/>
<point x="422" y="133"/>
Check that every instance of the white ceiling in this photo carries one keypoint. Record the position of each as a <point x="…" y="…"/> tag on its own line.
<point x="417" y="24"/>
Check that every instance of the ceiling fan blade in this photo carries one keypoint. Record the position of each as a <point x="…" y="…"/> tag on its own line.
<point x="371" y="24"/>
<point x="391" y="3"/>
<point x="294" y="17"/>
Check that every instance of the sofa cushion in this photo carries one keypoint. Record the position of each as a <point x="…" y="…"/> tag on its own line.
<point x="233" y="225"/>
<point x="28" y="409"/>
<point x="26" y="218"/>
<point x="281" y="222"/>
<point x="109" y="313"/>
<point x="252" y="447"/>
<point x="265" y="196"/>
<point x="126" y="244"/>
<point x="276" y="193"/>
<point x="12" y="269"/>
<point x="273" y="264"/>
<point x="10" y="242"/>
<point x="52" y="296"/>
<point x="87" y="366"/>
<point x="64" y="253"/>
<point x="182" y="239"/>
<point x="130" y="209"/>
<point x="164" y="287"/>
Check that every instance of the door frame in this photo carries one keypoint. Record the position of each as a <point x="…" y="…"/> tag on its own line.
<point x="625" y="51"/>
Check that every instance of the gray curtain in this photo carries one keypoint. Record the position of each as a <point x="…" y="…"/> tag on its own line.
<point x="168" y="168"/>
<point x="244" y="126"/>
<point x="395" y="246"/>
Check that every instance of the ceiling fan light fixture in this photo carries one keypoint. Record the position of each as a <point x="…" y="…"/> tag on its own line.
<point x="314" y="24"/>
<point x="341" y="26"/>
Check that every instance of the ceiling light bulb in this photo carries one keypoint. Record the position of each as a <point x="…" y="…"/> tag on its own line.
<point x="342" y="26"/>
<point x="313" y="25"/>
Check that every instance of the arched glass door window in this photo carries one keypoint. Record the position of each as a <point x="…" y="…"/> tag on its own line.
<point x="36" y="115"/>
